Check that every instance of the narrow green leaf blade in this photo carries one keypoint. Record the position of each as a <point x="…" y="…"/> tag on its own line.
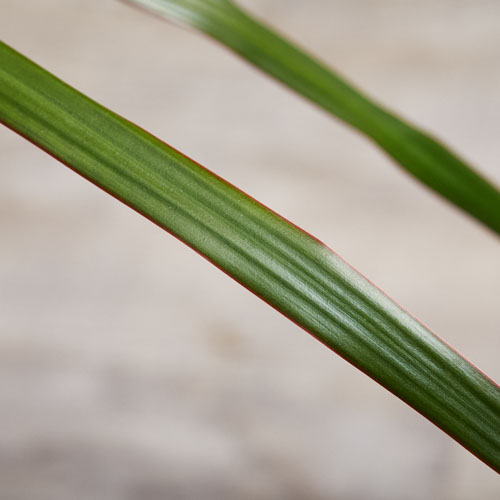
<point x="417" y="152"/>
<point x="286" y="267"/>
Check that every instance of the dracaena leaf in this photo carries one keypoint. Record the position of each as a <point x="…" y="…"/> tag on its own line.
<point x="286" y="267"/>
<point x="418" y="153"/>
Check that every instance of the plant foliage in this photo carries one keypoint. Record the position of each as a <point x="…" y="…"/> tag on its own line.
<point x="417" y="152"/>
<point x="286" y="267"/>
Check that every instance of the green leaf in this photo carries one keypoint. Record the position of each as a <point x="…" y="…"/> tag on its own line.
<point x="421" y="155"/>
<point x="286" y="267"/>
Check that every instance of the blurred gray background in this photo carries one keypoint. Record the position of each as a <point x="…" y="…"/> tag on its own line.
<point x="130" y="368"/>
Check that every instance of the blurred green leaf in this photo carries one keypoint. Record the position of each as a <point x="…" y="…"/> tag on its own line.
<point x="417" y="152"/>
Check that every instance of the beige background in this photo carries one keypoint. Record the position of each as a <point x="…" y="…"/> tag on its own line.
<point x="132" y="369"/>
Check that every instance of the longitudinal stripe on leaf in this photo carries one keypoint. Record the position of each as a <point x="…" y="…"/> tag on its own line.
<point x="417" y="152"/>
<point x="286" y="267"/>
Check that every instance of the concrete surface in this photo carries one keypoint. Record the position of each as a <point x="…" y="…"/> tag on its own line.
<point x="132" y="369"/>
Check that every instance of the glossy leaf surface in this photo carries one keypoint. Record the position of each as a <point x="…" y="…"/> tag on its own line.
<point x="286" y="267"/>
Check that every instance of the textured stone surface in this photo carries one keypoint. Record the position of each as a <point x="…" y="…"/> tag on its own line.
<point x="132" y="369"/>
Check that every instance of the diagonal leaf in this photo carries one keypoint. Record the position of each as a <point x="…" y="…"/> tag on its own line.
<point x="417" y="152"/>
<point x="286" y="267"/>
